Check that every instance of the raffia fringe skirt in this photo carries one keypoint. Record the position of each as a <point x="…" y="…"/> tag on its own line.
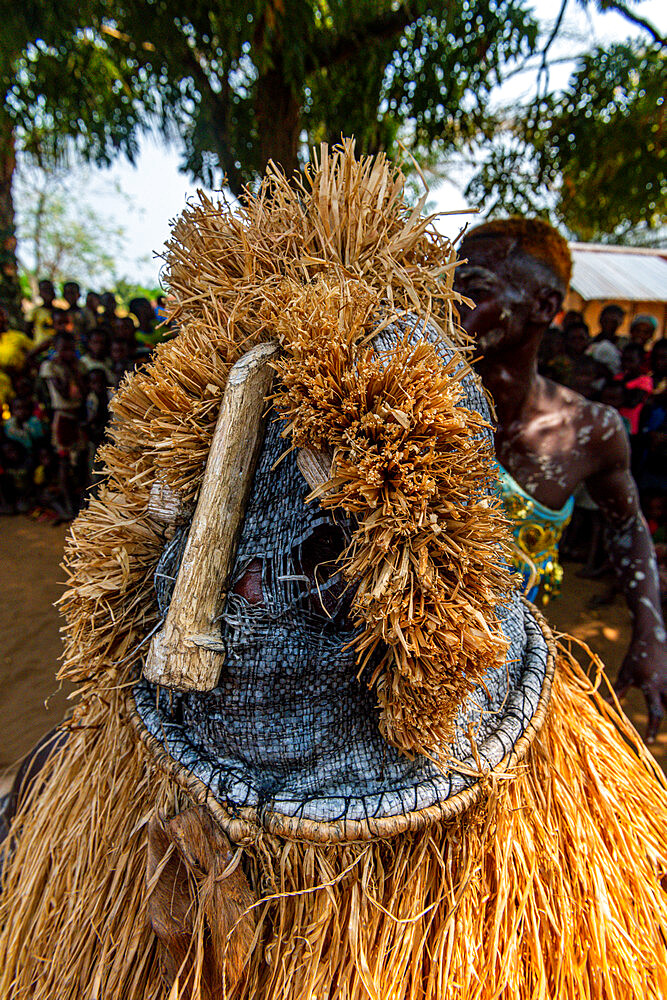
<point x="550" y="889"/>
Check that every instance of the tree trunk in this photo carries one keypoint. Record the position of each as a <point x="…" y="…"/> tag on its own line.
<point x="10" y="289"/>
<point x="278" y="112"/>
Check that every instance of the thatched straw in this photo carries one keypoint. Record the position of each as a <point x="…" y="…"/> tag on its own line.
<point x="550" y="889"/>
<point x="410" y="464"/>
<point x="321" y="266"/>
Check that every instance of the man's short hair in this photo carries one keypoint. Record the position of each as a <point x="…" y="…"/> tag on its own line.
<point x="612" y="310"/>
<point x="577" y="324"/>
<point x="535" y="238"/>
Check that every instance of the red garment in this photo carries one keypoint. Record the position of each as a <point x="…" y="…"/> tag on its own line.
<point x="633" y="413"/>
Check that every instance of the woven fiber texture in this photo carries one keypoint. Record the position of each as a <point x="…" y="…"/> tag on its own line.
<point x="291" y="730"/>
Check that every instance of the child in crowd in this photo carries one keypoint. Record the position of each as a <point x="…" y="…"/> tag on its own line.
<point x="40" y="321"/>
<point x="552" y="349"/>
<point x="148" y="334"/>
<point x="108" y="303"/>
<point x="62" y="323"/>
<point x="120" y="361"/>
<point x="48" y="498"/>
<point x="97" y="414"/>
<point x="15" y="347"/>
<point x="636" y="386"/>
<point x="585" y="377"/>
<point x="577" y="341"/>
<point x="97" y="355"/>
<point x="64" y="377"/>
<point x="22" y="426"/>
<point x="613" y="394"/>
<point x="15" y="477"/>
<point x="91" y="310"/>
<point x="78" y="321"/>
<point x="161" y="308"/>
<point x="67" y="403"/>
<point x="642" y="331"/>
<point x="125" y="329"/>
<point x="605" y="346"/>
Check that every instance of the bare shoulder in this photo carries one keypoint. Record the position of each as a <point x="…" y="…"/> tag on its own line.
<point x="584" y="411"/>
<point x="602" y="434"/>
<point x="599" y="430"/>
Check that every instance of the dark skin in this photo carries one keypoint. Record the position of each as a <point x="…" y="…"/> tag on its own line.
<point x="659" y="361"/>
<point x="610" y="320"/>
<point x="47" y="294"/>
<point x="576" y="340"/>
<point x="66" y="355"/>
<point x="631" y="368"/>
<point x="551" y="439"/>
<point x="71" y="292"/>
<point x="97" y="345"/>
<point x="641" y="333"/>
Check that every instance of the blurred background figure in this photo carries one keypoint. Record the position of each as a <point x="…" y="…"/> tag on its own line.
<point x="605" y="345"/>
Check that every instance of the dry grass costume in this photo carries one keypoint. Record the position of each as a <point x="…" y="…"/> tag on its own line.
<point x="372" y="773"/>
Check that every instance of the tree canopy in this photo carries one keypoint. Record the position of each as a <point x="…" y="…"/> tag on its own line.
<point x="66" y="91"/>
<point x="239" y="82"/>
<point x="592" y="157"/>
<point x="62" y="236"/>
<point x="245" y="82"/>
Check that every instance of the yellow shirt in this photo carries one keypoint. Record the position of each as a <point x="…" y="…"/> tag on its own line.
<point x="14" y="348"/>
<point x="6" y="394"/>
<point x="42" y="320"/>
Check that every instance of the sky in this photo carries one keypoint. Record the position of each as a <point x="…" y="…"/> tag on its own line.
<point x="156" y="191"/>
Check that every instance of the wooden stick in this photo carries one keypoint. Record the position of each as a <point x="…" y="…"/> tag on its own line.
<point x="186" y="653"/>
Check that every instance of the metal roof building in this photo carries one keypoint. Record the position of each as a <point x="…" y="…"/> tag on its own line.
<point x="633" y="277"/>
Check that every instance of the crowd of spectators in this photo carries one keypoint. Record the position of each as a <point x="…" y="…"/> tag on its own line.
<point x="57" y="378"/>
<point x="630" y="374"/>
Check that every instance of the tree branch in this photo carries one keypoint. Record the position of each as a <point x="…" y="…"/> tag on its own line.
<point x="221" y="104"/>
<point x="544" y="70"/>
<point x="332" y="50"/>
<point x="641" y="22"/>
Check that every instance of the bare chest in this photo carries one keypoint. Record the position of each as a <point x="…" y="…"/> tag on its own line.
<point x="549" y="454"/>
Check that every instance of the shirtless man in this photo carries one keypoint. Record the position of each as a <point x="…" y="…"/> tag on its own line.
<point x="549" y="438"/>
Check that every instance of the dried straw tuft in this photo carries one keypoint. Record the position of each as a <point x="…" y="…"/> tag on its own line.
<point x="410" y="465"/>
<point x="550" y="889"/>
<point x="322" y="265"/>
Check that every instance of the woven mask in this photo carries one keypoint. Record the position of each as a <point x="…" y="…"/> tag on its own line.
<point x="291" y="735"/>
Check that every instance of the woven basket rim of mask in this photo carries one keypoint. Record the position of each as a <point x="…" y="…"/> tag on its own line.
<point x="244" y="825"/>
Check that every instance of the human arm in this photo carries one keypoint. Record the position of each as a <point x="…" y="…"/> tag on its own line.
<point x="633" y="560"/>
<point x="41" y="347"/>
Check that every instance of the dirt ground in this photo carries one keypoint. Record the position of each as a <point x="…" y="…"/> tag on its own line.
<point x="32" y="701"/>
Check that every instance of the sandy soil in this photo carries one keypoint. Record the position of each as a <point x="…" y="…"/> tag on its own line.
<point x="32" y="701"/>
